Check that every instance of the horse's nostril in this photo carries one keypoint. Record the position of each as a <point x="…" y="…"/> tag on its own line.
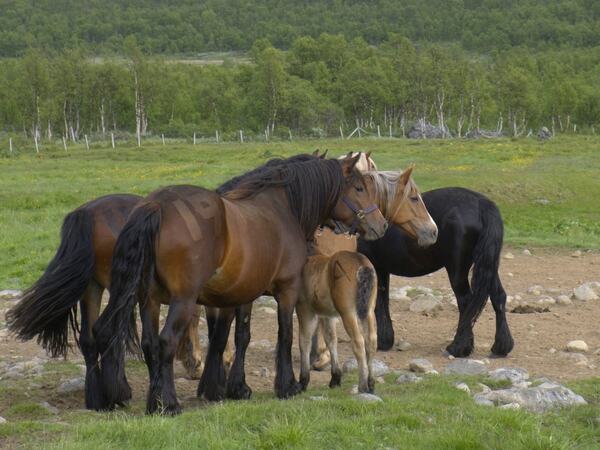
<point x="385" y="226"/>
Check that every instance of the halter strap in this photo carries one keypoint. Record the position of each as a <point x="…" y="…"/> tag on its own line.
<point x="361" y="214"/>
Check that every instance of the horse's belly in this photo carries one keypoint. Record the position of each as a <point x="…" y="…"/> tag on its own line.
<point x="230" y="287"/>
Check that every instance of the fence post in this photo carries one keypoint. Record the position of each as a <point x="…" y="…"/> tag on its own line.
<point x="290" y="132"/>
<point x="341" y="132"/>
<point x="194" y="138"/>
<point x="112" y="139"/>
<point x="11" y="149"/>
<point x="390" y="130"/>
<point x="87" y="144"/>
<point x="139" y="139"/>
<point x="64" y="143"/>
<point x="163" y="138"/>
<point x="241" y="136"/>
<point x="266" y="135"/>
<point x="378" y="131"/>
<point x="37" y="149"/>
<point x="217" y="135"/>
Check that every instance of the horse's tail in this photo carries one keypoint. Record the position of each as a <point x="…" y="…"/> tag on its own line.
<point x="486" y="258"/>
<point x="131" y="274"/>
<point x="49" y="308"/>
<point x="365" y="278"/>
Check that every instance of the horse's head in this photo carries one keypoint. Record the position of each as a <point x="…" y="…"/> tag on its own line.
<point x="357" y="206"/>
<point x="403" y="205"/>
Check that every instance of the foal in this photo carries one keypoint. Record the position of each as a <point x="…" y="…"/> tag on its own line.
<point x="338" y="282"/>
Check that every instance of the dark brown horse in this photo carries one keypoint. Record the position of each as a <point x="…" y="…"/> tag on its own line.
<point x="188" y="245"/>
<point x="78" y="274"/>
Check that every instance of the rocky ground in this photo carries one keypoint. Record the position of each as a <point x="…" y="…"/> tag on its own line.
<point x="555" y="296"/>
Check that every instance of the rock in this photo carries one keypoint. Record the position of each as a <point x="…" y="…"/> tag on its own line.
<point x="2" y="420"/>
<point x="546" y="300"/>
<point x="403" y="303"/>
<point x="510" y="406"/>
<point x="526" y="252"/>
<point x="354" y="389"/>
<point x="425" y="130"/>
<point x="420" y="365"/>
<point x="477" y="134"/>
<point x="510" y="274"/>
<point x="578" y="358"/>
<point x="542" y="201"/>
<point x="576" y="254"/>
<point x="463" y="387"/>
<point x="72" y="385"/>
<point x="509" y="256"/>
<point x="350" y="365"/>
<point x="552" y="350"/>
<point x="399" y="293"/>
<point x="380" y="380"/>
<point x="479" y="399"/>
<point x="515" y="375"/>
<point x="266" y="300"/>
<point x="484" y="388"/>
<point x="264" y="372"/>
<point x="10" y="294"/>
<point x="536" y="290"/>
<point x="262" y="343"/>
<point x="536" y="399"/>
<point x="368" y="398"/>
<point x="518" y="297"/>
<point x="317" y="398"/>
<point x="564" y="300"/>
<point x="426" y="303"/>
<point x="20" y="369"/>
<point x="529" y="309"/>
<point x="585" y="292"/>
<point x="267" y="310"/>
<point x="380" y="368"/>
<point x="403" y="346"/>
<point x="465" y="367"/>
<point x="577" y="346"/>
<point x="48" y="407"/>
<point x="544" y="133"/>
<point x="408" y="378"/>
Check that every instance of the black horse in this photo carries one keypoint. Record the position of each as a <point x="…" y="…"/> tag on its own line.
<point x="470" y="235"/>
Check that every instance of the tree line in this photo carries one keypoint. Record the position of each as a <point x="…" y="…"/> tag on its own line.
<point x="315" y="88"/>
<point x="190" y="26"/>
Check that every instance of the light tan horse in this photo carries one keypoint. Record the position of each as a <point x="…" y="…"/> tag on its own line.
<point x="365" y="162"/>
<point x="338" y="282"/>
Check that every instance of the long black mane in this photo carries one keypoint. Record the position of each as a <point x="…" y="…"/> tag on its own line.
<point x="312" y="185"/>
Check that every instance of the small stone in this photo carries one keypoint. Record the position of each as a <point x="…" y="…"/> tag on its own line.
<point x="264" y="372"/>
<point x="379" y="368"/>
<point x="267" y="310"/>
<point x="48" y="407"/>
<point x="577" y="346"/>
<point x="466" y="367"/>
<point x="509" y="299"/>
<point x="463" y="387"/>
<point x="564" y="300"/>
<point x="518" y="297"/>
<point x="425" y="303"/>
<point x="576" y="254"/>
<point x="10" y="294"/>
<point x="2" y="419"/>
<point x="484" y="388"/>
<point x="546" y="300"/>
<point x="350" y="365"/>
<point x="262" y="343"/>
<point x="480" y="400"/>
<point x="408" y="378"/>
<point x="380" y="380"/>
<point x="552" y="350"/>
<point x="72" y="385"/>
<point x="266" y="300"/>
<point x="403" y="346"/>
<point x="510" y="274"/>
<point x="317" y="398"/>
<point x="536" y="290"/>
<point x="510" y="406"/>
<point x="578" y="358"/>
<point x="368" y="398"/>
<point x="354" y="389"/>
<point x="403" y="303"/>
<point x="513" y="374"/>
<point x="526" y="252"/>
<point x="420" y="365"/>
<point x="585" y="292"/>
<point x="451" y="357"/>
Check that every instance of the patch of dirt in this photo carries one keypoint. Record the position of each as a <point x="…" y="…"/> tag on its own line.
<point x="535" y="334"/>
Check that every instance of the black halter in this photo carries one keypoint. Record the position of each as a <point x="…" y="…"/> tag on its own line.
<point x="361" y="214"/>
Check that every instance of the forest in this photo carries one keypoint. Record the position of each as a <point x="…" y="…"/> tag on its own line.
<point x="309" y="68"/>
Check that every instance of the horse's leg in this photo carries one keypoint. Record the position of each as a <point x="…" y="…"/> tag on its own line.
<point x="319" y="353"/>
<point x="330" y="335"/>
<point x="350" y="321"/>
<point x="162" y="386"/>
<point x="213" y="381"/>
<point x="307" y="323"/>
<point x="189" y="351"/>
<point x="464" y="341"/>
<point x="90" y="309"/>
<point x="236" y="381"/>
<point x="503" y="343"/>
<point x="385" y="329"/>
<point x="285" y="382"/>
<point x="150" y="315"/>
<point x="370" y="334"/>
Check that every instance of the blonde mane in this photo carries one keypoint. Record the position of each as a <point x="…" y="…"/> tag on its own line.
<point x="386" y="189"/>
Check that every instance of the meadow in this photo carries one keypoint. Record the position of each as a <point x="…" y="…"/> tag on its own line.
<point x="548" y="192"/>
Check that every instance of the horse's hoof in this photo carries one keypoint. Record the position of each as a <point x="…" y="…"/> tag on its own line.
<point x="502" y="349"/>
<point x="336" y="380"/>
<point x="239" y="392"/>
<point x="322" y="361"/>
<point x="460" y="350"/>
<point x="293" y="389"/>
<point x="171" y="410"/>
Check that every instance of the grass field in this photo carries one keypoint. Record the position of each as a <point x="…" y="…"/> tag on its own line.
<point x="548" y="192"/>
<point x="549" y="195"/>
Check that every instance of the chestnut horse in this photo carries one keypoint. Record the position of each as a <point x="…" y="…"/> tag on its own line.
<point x="399" y="199"/>
<point x="189" y="245"/>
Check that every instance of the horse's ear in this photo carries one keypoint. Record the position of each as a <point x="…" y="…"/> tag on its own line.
<point x="324" y="154"/>
<point x="406" y="174"/>
<point x="370" y="163"/>
<point x="316" y="153"/>
<point x="349" y="162"/>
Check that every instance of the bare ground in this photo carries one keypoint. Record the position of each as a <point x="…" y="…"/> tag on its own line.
<point x="535" y="334"/>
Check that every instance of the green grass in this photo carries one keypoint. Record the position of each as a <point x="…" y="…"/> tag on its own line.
<point x="431" y="414"/>
<point x="36" y="191"/>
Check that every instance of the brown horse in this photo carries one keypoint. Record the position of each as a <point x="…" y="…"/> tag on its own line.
<point x="190" y="245"/>
<point x="338" y="282"/>
<point x="400" y="200"/>
<point x="78" y="274"/>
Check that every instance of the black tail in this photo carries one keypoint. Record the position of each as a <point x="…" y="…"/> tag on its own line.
<point x="131" y="273"/>
<point x="49" y="308"/>
<point x="486" y="258"/>
<point x="366" y="282"/>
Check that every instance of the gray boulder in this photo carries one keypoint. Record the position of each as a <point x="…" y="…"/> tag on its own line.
<point x="72" y="385"/>
<point x="426" y="303"/>
<point x="368" y="398"/>
<point x="466" y="367"/>
<point x="426" y="130"/>
<point x="544" y="133"/>
<point x="515" y="375"/>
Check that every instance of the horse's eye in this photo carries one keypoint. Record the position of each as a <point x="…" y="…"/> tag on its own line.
<point x="359" y="188"/>
<point x="414" y="199"/>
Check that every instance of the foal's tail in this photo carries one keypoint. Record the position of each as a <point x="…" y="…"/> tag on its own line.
<point x="486" y="258"/>
<point x="49" y="308"/>
<point x="366" y="280"/>
<point x="131" y="274"/>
